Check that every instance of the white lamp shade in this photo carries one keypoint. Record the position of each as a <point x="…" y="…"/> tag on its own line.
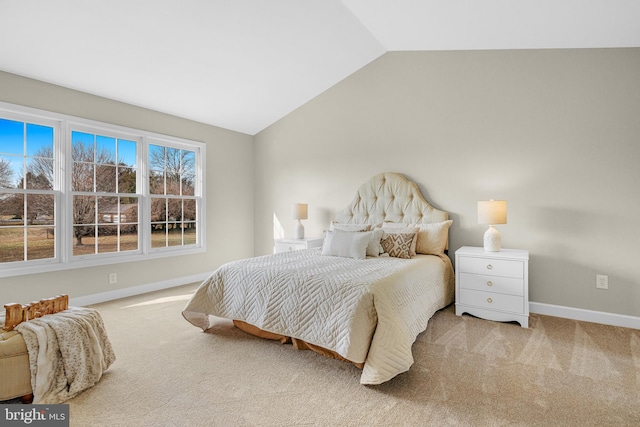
<point x="492" y="212"/>
<point x="299" y="211"/>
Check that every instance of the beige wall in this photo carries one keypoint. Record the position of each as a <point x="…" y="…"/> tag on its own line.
<point x="229" y="169"/>
<point x="554" y="132"/>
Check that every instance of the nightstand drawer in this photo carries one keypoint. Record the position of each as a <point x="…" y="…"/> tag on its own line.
<point x="493" y="301"/>
<point x="286" y="245"/>
<point x="492" y="267"/>
<point x="503" y="285"/>
<point x="289" y="246"/>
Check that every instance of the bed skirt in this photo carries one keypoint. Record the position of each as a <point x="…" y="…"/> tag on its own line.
<point x="298" y="344"/>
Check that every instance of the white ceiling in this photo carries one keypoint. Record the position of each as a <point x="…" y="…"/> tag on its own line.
<point x="244" y="64"/>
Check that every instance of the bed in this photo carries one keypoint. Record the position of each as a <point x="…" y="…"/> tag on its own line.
<point x="363" y="297"/>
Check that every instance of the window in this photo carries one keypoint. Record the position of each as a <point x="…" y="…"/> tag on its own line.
<point x="75" y="193"/>
<point x="105" y="202"/>
<point x="27" y="197"/>
<point x="173" y="202"/>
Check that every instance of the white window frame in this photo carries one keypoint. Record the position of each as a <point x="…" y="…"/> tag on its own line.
<point x="63" y="126"/>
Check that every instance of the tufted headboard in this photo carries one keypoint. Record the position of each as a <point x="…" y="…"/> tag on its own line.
<point x="390" y="197"/>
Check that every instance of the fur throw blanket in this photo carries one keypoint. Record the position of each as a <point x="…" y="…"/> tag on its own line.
<point x="68" y="352"/>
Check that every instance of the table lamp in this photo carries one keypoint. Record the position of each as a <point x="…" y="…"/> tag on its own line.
<point x="299" y="212"/>
<point x="492" y="212"/>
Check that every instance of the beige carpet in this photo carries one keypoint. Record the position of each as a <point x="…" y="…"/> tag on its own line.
<point x="467" y="372"/>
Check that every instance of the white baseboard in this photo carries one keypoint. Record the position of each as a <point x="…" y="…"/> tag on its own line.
<point x="585" y="315"/>
<point x="135" y="290"/>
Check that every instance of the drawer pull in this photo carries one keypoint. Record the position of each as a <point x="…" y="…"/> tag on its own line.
<point x="489" y="266"/>
<point x="489" y="300"/>
<point x="489" y="283"/>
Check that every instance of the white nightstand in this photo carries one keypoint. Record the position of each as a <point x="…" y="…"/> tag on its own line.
<point x="285" y="245"/>
<point x="493" y="285"/>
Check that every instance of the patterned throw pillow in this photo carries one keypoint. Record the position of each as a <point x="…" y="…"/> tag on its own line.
<point x="396" y="227"/>
<point x="398" y="244"/>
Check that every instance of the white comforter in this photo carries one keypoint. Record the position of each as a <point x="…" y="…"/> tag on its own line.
<point x="365" y="310"/>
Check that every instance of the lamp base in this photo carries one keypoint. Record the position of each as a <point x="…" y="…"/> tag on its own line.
<point x="492" y="240"/>
<point x="299" y="231"/>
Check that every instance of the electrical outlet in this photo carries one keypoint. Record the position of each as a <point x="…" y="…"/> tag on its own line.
<point x="113" y="278"/>
<point x="602" y="281"/>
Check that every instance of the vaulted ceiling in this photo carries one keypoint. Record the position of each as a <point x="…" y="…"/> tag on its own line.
<point x="244" y="64"/>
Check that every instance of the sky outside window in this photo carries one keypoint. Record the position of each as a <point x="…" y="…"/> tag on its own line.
<point x="126" y="150"/>
<point x="14" y="146"/>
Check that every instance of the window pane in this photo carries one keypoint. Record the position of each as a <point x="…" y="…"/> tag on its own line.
<point x="84" y="210"/>
<point x="156" y="157"/>
<point x="40" y="209"/>
<point x="84" y="242"/>
<point x="173" y="183"/>
<point x="190" y="233"/>
<point x="156" y="182"/>
<point x="107" y="238"/>
<point x="128" y="210"/>
<point x="158" y="235"/>
<point x="11" y="208"/>
<point x="172" y="160"/>
<point x="126" y="153"/>
<point x="105" y="149"/>
<point x="188" y="185"/>
<point x="39" y="141"/>
<point x="82" y="177"/>
<point x="128" y="237"/>
<point x="126" y="180"/>
<point x="40" y="243"/>
<point x="108" y="210"/>
<point x="189" y="210"/>
<point x="40" y="173"/>
<point x="82" y="147"/>
<point x="106" y="178"/>
<point x="174" y="212"/>
<point x="174" y="235"/>
<point x="188" y="162"/>
<point x="11" y="243"/>
<point x="158" y="210"/>
<point x="11" y="137"/>
<point x="10" y="171"/>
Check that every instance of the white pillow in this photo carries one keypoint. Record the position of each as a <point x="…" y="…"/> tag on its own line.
<point x="389" y="224"/>
<point x="374" y="248"/>
<point x="432" y="238"/>
<point x="344" y="244"/>
<point x="349" y="227"/>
